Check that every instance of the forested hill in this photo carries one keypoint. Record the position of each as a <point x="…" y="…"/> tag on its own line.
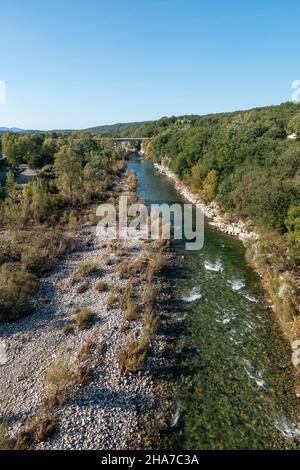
<point x="115" y="129"/>
<point x="246" y="160"/>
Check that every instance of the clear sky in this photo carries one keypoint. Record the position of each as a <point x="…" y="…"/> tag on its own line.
<point x="82" y="63"/>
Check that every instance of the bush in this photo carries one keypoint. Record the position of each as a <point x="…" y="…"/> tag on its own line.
<point x="132" y="312"/>
<point x="293" y="224"/>
<point x="82" y="288"/>
<point x="102" y="286"/>
<point x="68" y="329"/>
<point x="59" y="381"/>
<point x="36" y="430"/>
<point x="151" y="323"/>
<point x="150" y="295"/>
<point x="16" y="289"/>
<point x="83" y="318"/>
<point x="132" y="354"/>
<point x="5" y="442"/>
<point x="35" y="260"/>
<point x="84" y="269"/>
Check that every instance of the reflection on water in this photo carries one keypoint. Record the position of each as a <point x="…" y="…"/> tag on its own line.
<point x="235" y="391"/>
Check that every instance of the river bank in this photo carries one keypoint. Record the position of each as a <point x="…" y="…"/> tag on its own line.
<point x="268" y="278"/>
<point x="107" y="409"/>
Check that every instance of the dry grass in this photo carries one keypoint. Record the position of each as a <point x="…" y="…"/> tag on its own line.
<point x="59" y="382"/>
<point x="132" y="354"/>
<point x="102" y="286"/>
<point x="132" y="312"/>
<point x="83" y="370"/>
<point x="82" y="288"/>
<point x="83" y="318"/>
<point x="6" y="443"/>
<point x="36" y="430"/>
<point x="101" y="348"/>
<point x="151" y="323"/>
<point x="112" y="301"/>
<point x="123" y="269"/>
<point x="68" y="330"/>
<point x="150" y="295"/>
<point x="83" y="373"/>
<point x="84" y="269"/>
<point x="86" y="350"/>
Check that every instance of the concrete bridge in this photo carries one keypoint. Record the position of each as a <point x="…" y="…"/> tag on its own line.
<point x="124" y="141"/>
<point x="119" y="140"/>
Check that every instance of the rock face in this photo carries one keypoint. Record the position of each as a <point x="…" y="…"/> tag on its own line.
<point x="211" y="211"/>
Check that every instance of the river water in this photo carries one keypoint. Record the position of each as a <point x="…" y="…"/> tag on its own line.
<point x="235" y="390"/>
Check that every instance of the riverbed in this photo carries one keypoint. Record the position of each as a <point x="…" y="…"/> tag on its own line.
<point x="235" y="386"/>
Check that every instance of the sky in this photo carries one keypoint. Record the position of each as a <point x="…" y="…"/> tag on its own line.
<point x="76" y="64"/>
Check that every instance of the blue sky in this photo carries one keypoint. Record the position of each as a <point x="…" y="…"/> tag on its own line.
<point x="76" y="64"/>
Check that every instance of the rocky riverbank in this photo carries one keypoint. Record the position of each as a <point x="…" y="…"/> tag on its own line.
<point x="211" y="210"/>
<point x="113" y="409"/>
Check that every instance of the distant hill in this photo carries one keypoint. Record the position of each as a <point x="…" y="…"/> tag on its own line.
<point x="11" y="129"/>
<point x="106" y="129"/>
<point x="113" y="128"/>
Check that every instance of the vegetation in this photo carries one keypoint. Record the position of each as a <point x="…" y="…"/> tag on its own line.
<point x="84" y="269"/>
<point x="83" y="318"/>
<point x="59" y="381"/>
<point x="132" y="354"/>
<point x="73" y="171"/>
<point x="102" y="286"/>
<point x="246" y="162"/>
<point x="82" y="288"/>
<point x="16" y="288"/>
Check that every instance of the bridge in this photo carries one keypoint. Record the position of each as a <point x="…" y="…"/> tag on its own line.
<point x="124" y="141"/>
<point x="119" y="140"/>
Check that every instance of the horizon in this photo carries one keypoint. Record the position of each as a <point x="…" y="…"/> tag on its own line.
<point x="69" y="66"/>
<point x="114" y="123"/>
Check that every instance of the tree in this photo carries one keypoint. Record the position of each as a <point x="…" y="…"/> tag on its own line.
<point x="210" y="186"/>
<point x="293" y="224"/>
<point x="11" y="149"/>
<point x="10" y="184"/>
<point x="69" y="165"/>
<point x="294" y="124"/>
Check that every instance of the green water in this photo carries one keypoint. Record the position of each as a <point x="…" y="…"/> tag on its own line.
<point x="234" y="390"/>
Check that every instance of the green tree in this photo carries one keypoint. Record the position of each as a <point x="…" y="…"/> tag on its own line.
<point x="210" y="186"/>
<point x="293" y="224"/>
<point x="11" y="184"/>
<point x="69" y="165"/>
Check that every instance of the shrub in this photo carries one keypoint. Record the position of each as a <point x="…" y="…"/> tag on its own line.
<point x="132" y="354"/>
<point x="35" y="261"/>
<point x="123" y="269"/>
<point x="16" y="288"/>
<point x="68" y="329"/>
<point x="5" y="442"/>
<point x="59" y="381"/>
<point x="36" y="430"/>
<point x="151" y="323"/>
<point x="150" y="295"/>
<point x="112" y="301"/>
<point x="102" y="286"/>
<point x="293" y="224"/>
<point x="82" y="288"/>
<point x="101" y="348"/>
<point x="86" y="350"/>
<point x="83" y="374"/>
<point x="132" y="312"/>
<point x="84" y="269"/>
<point x="83" y="318"/>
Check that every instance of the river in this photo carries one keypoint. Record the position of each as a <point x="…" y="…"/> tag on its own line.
<point x="236" y="386"/>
